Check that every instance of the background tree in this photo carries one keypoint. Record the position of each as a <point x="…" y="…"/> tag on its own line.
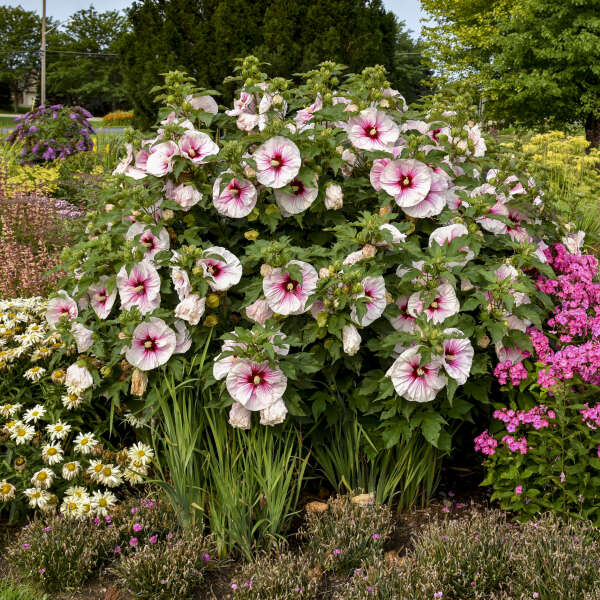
<point x="203" y="37"/>
<point x="20" y="32"/>
<point x="534" y="62"/>
<point x="80" y="69"/>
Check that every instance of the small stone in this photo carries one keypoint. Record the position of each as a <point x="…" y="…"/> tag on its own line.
<point x="316" y="507"/>
<point x="363" y="499"/>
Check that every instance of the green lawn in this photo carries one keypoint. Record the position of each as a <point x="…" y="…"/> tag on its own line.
<point x="7" y="122"/>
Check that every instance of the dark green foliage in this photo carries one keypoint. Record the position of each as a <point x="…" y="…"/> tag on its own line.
<point x="204" y="36"/>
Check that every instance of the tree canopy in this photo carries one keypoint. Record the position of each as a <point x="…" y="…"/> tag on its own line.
<point x="533" y="61"/>
<point x="203" y="37"/>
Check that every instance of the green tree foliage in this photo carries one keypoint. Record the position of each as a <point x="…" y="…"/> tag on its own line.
<point x="80" y="68"/>
<point x="19" y="48"/>
<point x="204" y="36"/>
<point x="534" y="61"/>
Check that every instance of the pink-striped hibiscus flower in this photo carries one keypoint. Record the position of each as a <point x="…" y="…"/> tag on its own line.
<point x="299" y="200"/>
<point x="434" y="202"/>
<point x="255" y="385"/>
<point x="61" y="306"/>
<point x="236" y="200"/>
<point x="151" y="242"/>
<point x="221" y="267"/>
<point x="374" y="290"/>
<point x="285" y="295"/>
<point x="197" y="146"/>
<point x="458" y="356"/>
<point x="101" y="300"/>
<point x="407" y="180"/>
<point x="278" y="162"/>
<point x="152" y="345"/>
<point x="140" y="287"/>
<point x="372" y="130"/>
<point x="444" y="304"/>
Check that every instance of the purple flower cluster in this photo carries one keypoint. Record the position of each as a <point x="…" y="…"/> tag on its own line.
<point x="591" y="417"/>
<point x="486" y="443"/>
<point x="507" y="370"/>
<point x="537" y="416"/>
<point x="50" y="132"/>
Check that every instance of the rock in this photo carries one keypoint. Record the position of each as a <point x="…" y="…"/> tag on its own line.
<point x="363" y="499"/>
<point x="316" y="507"/>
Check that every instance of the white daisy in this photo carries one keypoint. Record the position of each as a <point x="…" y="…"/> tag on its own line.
<point x="94" y="469"/>
<point x="34" y="414"/>
<point x="52" y="454"/>
<point x="85" y="443"/>
<point x="34" y="374"/>
<point x="8" y="410"/>
<point x="110" y="476"/>
<point x="7" y="491"/>
<point x="42" y="478"/>
<point x="21" y="433"/>
<point x="135" y="472"/>
<point x="37" y="497"/>
<point x="72" y="400"/>
<point x="140" y="452"/>
<point x="102" y="502"/>
<point x="58" y="430"/>
<point x="70" y="470"/>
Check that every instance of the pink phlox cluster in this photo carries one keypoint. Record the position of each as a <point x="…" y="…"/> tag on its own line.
<point x="537" y="417"/>
<point x="515" y="445"/>
<point x="591" y="416"/>
<point x="485" y="443"/>
<point x="507" y="370"/>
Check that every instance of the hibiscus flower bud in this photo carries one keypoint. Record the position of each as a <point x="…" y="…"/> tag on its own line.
<point x="167" y="214"/>
<point x="388" y="297"/>
<point x="240" y="417"/>
<point x="483" y="341"/>
<point x="249" y="172"/>
<point x="385" y="103"/>
<point x="274" y="414"/>
<point x="466" y="285"/>
<point x="251" y="235"/>
<point x="351" y="108"/>
<point x="385" y="210"/>
<point x="259" y="311"/>
<point x="265" y="270"/>
<point x="351" y="340"/>
<point x="369" y="251"/>
<point x="334" y="197"/>
<point x="108" y="207"/>
<point x="122" y="335"/>
<point x="211" y="321"/>
<point x="339" y="149"/>
<point x="78" y="377"/>
<point x="277" y="99"/>
<point x="322" y="319"/>
<point x="212" y="301"/>
<point x="139" y="382"/>
<point x="191" y="309"/>
<point x="324" y="273"/>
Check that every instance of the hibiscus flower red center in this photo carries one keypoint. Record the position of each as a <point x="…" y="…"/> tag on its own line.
<point x="139" y="287"/>
<point x="214" y="269"/>
<point x="406" y="181"/>
<point x="277" y="161"/>
<point x="192" y="152"/>
<point x="234" y="189"/>
<point x="435" y="133"/>
<point x="371" y="131"/>
<point x="150" y="344"/>
<point x="419" y="371"/>
<point x="436" y="303"/>
<point x="256" y="377"/>
<point x="297" y="187"/>
<point x="101" y="296"/>
<point x="63" y="310"/>
<point x="290" y="285"/>
<point x="149" y="241"/>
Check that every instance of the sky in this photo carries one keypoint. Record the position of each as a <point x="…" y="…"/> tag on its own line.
<point x="408" y="11"/>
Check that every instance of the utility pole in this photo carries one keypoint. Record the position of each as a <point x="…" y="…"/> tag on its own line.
<point x="43" y="57"/>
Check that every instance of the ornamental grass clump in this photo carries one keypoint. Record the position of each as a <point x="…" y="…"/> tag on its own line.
<point x="165" y="568"/>
<point x="50" y="132"/>
<point x="57" y="553"/>
<point x="352" y="529"/>
<point x="543" y="449"/>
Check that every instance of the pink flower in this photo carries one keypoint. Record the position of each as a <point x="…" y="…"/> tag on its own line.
<point x="259" y="311"/>
<point x="337" y="551"/>
<point x="407" y="180"/>
<point x="61" y="306"/>
<point x="255" y="385"/>
<point x="152" y="243"/>
<point x="223" y="365"/>
<point x="403" y="322"/>
<point x="285" y="295"/>
<point x="153" y="539"/>
<point x="141" y="287"/>
<point x="196" y="146"/>
<point x="374" y="290"/>
<point x="444" y="304"/>
<point x="278" y="162"/>
<point x="137" y="527"/>
<point x="133" y="542"/>
<point x="100" y="300"/>
<point x="152" y="345"/>
<point x="413" y="381"/>
<point x="160" y="161"/>
<point x="444" y="235"/>
<point x="519" y="490"/>
<point x="236" y="200"/>
<point x="489" y="223"/>
<point x="185" y="195"/>
<point x="240" y="417"/>
<point x="372" y="130"/>
<point x="204" y="103"/>
<point x="304" y="115"/>
<point x="222" y="268"/>
<point x="181" y="282"/>
<point x="244" y="104"/>
<point x="299" y="200"/>
<point x="191" y="309"/>
<point x="458" y="356"/>
<point x="434" y="202"/>
<point x="83" y="337"/>
<point x="274" y="414"/>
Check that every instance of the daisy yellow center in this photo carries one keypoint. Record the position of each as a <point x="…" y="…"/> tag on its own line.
<point x="42" y="476"/>
<point x="21" y="432"/>
<point x="97" y="468"/>
<point x="58" y="428"/>
<point x="84" y="441"/>
<point x="141" y="453"/>
<point x="34" y="328"/>
<point x="70" y="467"/>
<point x="72" y="506"/>
<point x="52" y="451"/>
<point x="5" y="489"/>
<point x="107" y="471"/>
<point x="102" y="502"/>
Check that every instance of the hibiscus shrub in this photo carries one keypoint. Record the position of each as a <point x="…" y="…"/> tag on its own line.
<point x="544" y="449"/>
<point x="348" y="253"/>
<point x="49" y="132"/>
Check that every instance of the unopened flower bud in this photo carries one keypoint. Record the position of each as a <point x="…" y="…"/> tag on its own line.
<point x="251" y="235"/>
<point x="249" y="172"/>
<point x="483" y="341"/>
<point x="212" y="301"/>
<point x="322" y="318"/>
<point x="167" y="214"/>
<point x="385" y="210"/>
<point x="369" y="251"/>
<point x="277" y="99"/>
<point x="324" y="273"/>
<point x="265" y="269"/>
<point x="139" y="382"/>
<point x="211" y="321"/>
